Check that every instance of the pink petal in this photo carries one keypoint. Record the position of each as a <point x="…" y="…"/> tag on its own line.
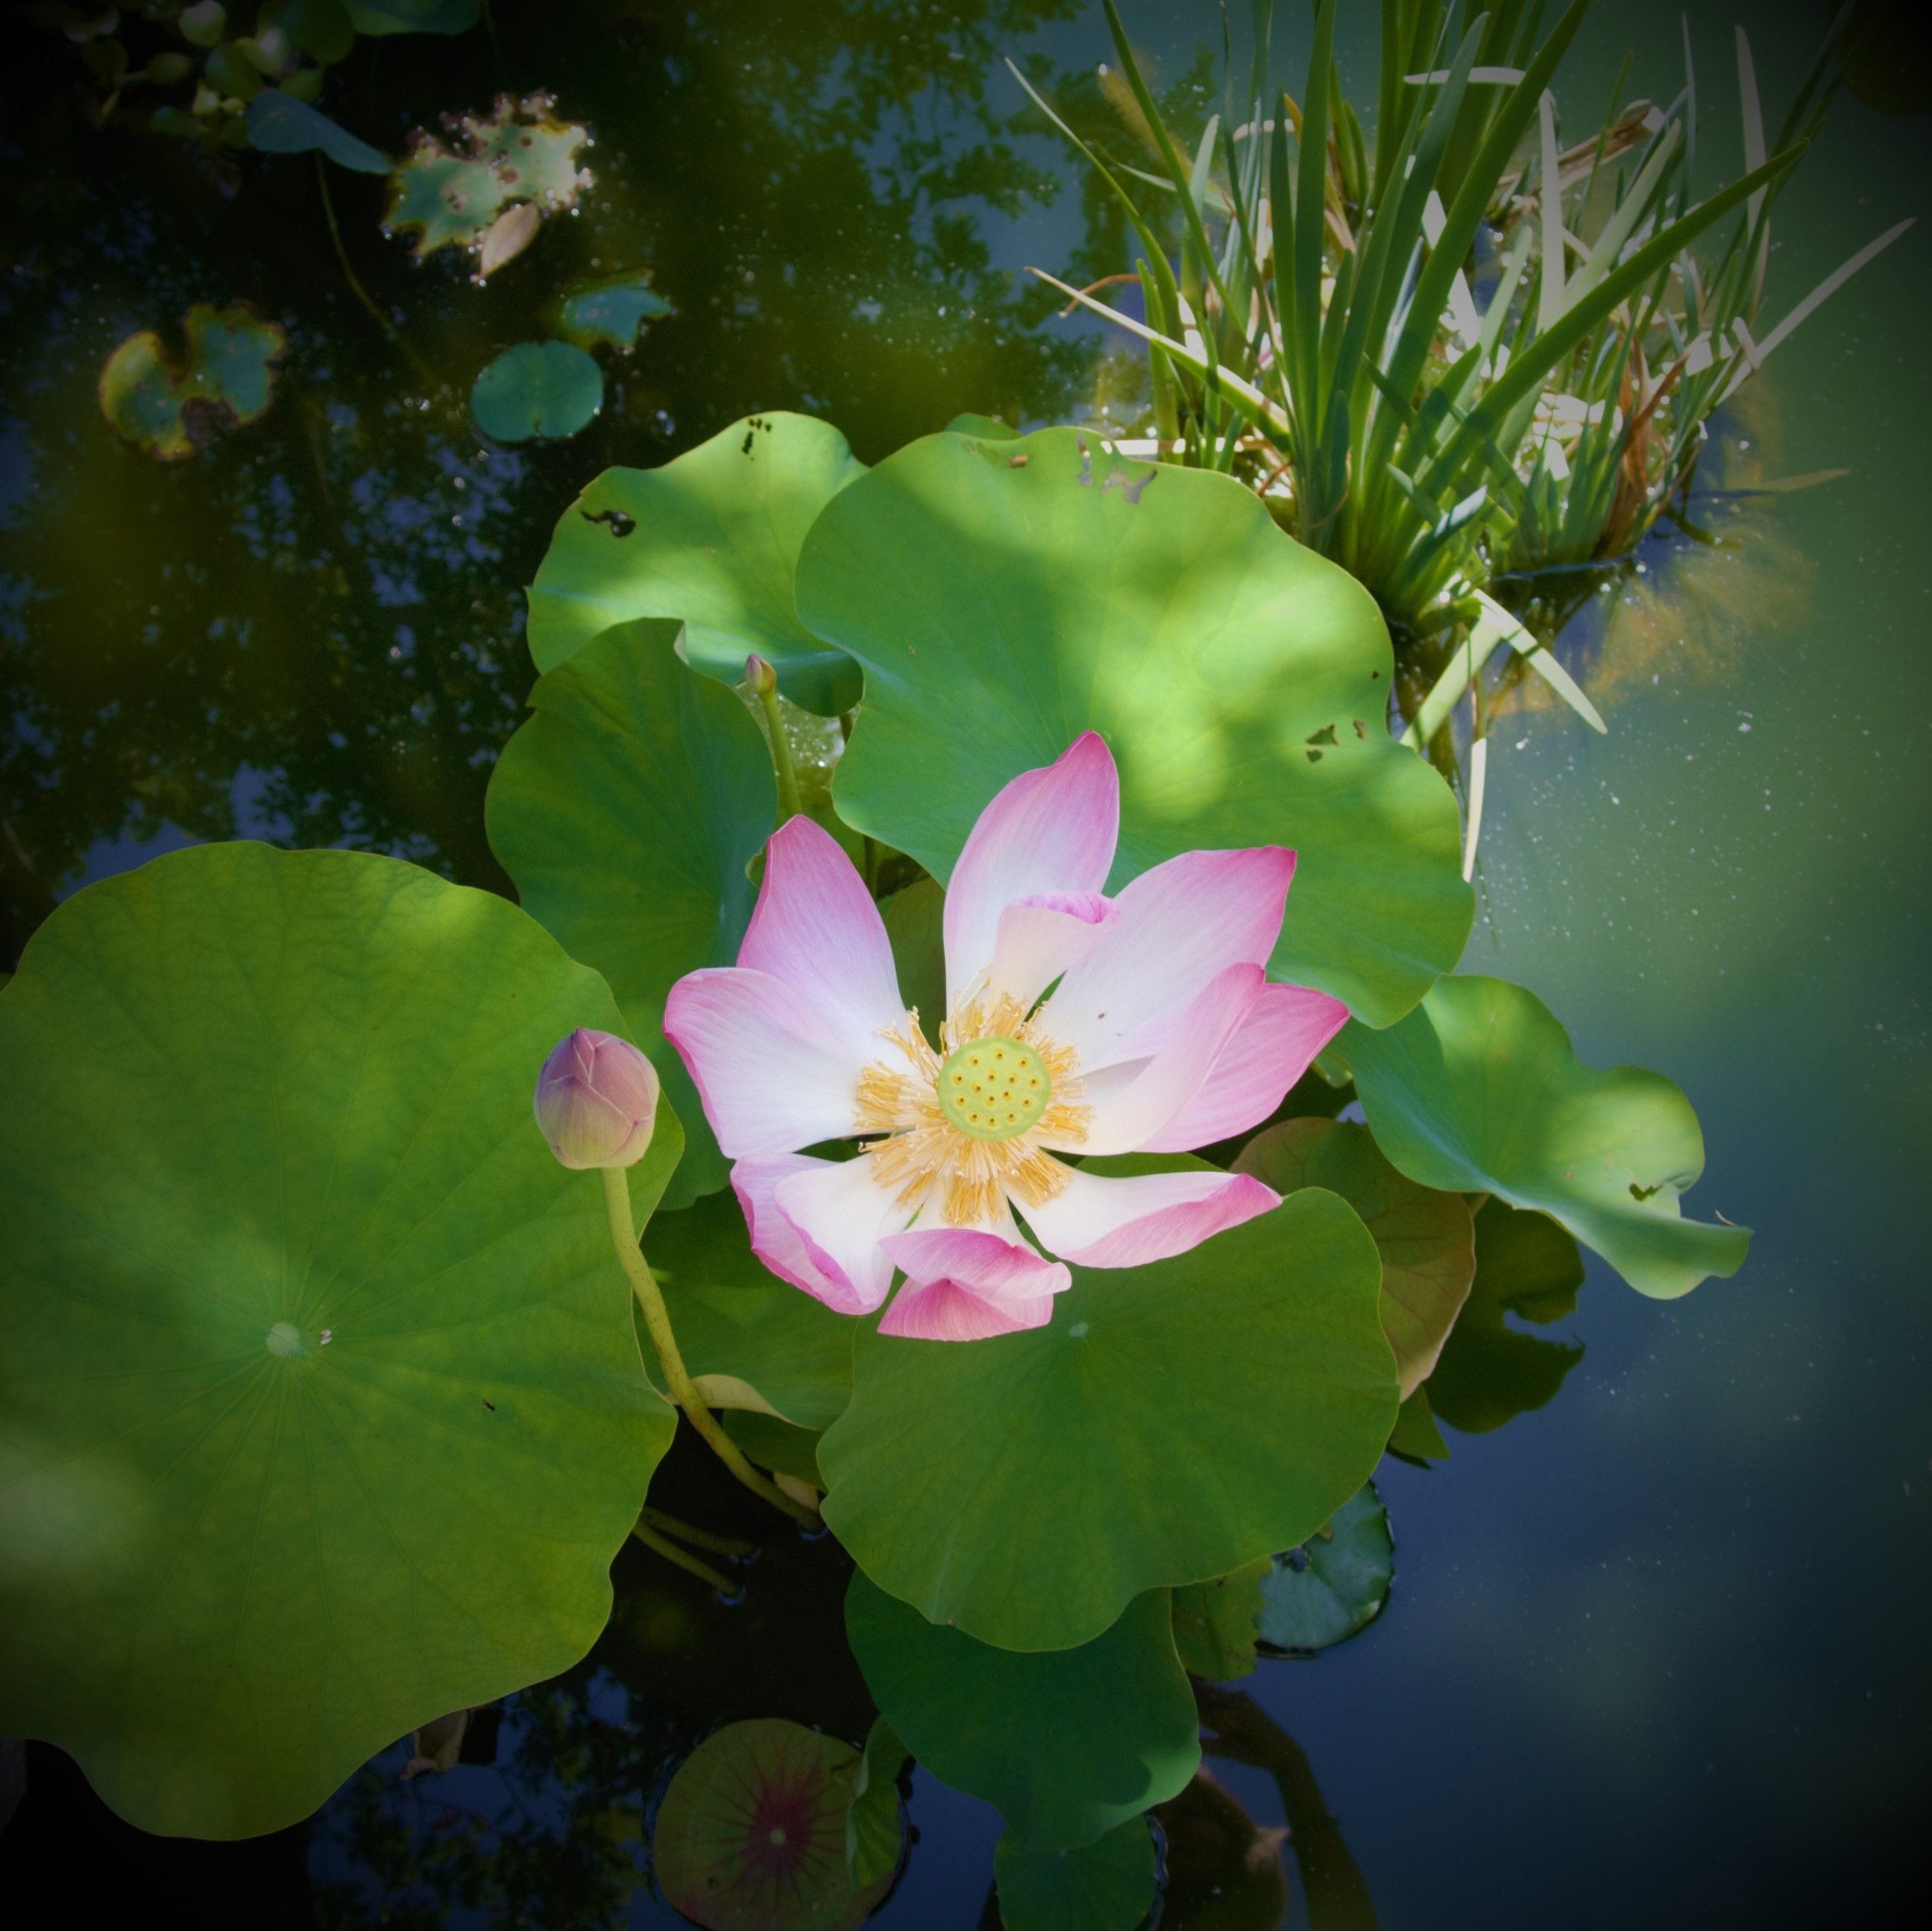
<point x="1050" y="830"/>
<point x="817" y="928"/>
<point x="1041" y="937"/>
<point x="839" y="1213"/>
<point x="1120" y="1221"/>
<point x="944" y="1310"/>
<point x="997" y="1263"/>
<point x="777" y="1242"/>
<point x="1271" y="1048"/>
<point x="1132" y="1105"/>
<point x="1179" y="925"/>
<point x="773" y="1075"/>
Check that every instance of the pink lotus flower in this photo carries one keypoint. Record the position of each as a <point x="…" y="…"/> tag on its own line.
<point x="1158" y="1032"/>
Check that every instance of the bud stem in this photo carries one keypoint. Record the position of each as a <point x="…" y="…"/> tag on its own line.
<point x="786" y="772"/>
<point x="684" y="1391"/>
<point x="669" y="1551"/>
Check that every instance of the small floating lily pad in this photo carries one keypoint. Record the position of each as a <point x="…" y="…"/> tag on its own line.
<point x="611" y="311"/>
<point x="174" y="409"/>
<point x="1336" y="1584"/>
<point x="547" y="389"/>
<point x="519" y="151"/>
<point x="750" y="1835"/>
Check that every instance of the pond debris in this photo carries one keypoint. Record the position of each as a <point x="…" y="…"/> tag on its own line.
<point x="461" y="196"/>
<point x="174" y="410"/>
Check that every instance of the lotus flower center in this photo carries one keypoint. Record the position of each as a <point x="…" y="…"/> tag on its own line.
<point x="994" y="1089"/>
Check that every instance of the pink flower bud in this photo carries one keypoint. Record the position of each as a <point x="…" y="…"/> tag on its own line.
<point x="763" y="679"/>
<point x="597" y="1101"/>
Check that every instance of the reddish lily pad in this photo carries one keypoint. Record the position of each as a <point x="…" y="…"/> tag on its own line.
<point x="1425" y="1237"/>
<point x="750" y="1835"/>
<point x="173" y="409"/>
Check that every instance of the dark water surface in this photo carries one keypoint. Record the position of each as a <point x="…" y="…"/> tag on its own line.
<point x="1656" y="1650"/>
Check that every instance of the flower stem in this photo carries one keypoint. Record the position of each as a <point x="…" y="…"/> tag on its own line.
<point x="787" y="772"/>
<point x="721" y="1545"/>
<point x="684" y="1390"/>
<point x="683" y="1558"/>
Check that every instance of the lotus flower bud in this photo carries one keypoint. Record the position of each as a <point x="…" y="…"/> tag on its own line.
<point x="763" y="679"/>
<point x="597" y="1101"/>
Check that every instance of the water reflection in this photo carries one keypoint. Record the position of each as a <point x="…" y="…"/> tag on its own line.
<point x="311" y="630"/>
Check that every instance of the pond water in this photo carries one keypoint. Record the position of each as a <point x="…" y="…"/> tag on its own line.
<point x="1655" y="1651"/>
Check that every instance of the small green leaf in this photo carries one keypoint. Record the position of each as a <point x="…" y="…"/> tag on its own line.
<point x="174" y="410"/>
<point x="611" y="311"/>
<point x="752" y="1341"/>
<point x="712" y="539"/>
<point x="1214" y="1623"/>
<point x="1425" y="1238"/>
<point x="309" y="1342"/>
<point x="875" y="1824"/>
<point x="1109" y="1885"/>
<point x="1064" y="1743"/>
<point x="1415" y="1436"/>
<point x="1336" y="1584"/>
<point x="279" y="124"/>
<point x="626" y="808"/>
<point x="1002" y="597"/>
<point x="1028" y="1487"/>
<point x="1478" y="1091"/>
<point x="547" y="389"/>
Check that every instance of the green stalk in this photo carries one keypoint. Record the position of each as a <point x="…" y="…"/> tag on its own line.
<point x="670" y="1552"/>
<point x="782" y="765"/>
<point x="684" y="1390"/>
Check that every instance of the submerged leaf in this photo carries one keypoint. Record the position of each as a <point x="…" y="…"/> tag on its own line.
<point x="545" y="389"/>
<point x="712" y="539"/>
<point x="310" y="1343"/>
<point x="279" y="124"/>
<point x="1027" y="1488"/>
<point x="1479" y="1091"/>
<point x="1336" y="1584"/>
<point x="750" y="1835"/>
<point x="626" y="808"/>
<point x="1065" y="1744"/>
<point x="1003" y="596"/>
<point x="1109" y="1885"/>
<point x="226" y="378"/>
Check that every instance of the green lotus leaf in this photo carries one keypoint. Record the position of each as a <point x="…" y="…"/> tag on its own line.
<point x="173" y="409"/>
<point x="1333" y="1585"/>
<point x="1490" y="1373"/>
<point x="750" y="1835"/>
<point x="1425" y="1238"/>
<point x="1171" y="1423"/>
<point x="1478" y="1091"/>
<point x="320" y="1414"/>
<point x="547" y="389"/>
<point x="414" y="17"/>
<point x="1214" y="1623"/>
<point x="611" y="311"/>
<point x="915" y="924"/>
<point x="279" y="124"/>
<point x="1109" y="1885"/>
<point x="711" y="538"/>
<point x="988" y="428"/>
<point x="875" y="1833"/>
<point x="777" y="1445"/>
<point x="751" y="1340"/>
<point x="626" y="808"/>
<point x="519" y="151"/>
<point x="1064" y="1743"/>
<point x="1003" y="596"/>
<point x="1415" y="1436"/>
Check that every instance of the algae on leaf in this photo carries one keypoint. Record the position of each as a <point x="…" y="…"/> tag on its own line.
<point x="173" y="409"/>
<point x="321" y="1415"/>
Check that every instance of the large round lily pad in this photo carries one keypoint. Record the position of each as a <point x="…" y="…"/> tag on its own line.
<point x="1173" y="1422"/>
<point x="1064" y="1743"/>
<point x="1335" y="1585"/>
<point x="548" y="389"/>
<point x="1425" y="1238"/>
<point x="1479" y="1091"/>
<point x="750" y="1834"/>
<point x="1004" y="596"/>
<point x="320" y="1412"/>
<point x="712" y="539"/>
<point x="1106" y="1886"/>
<point x="626" y="809"/>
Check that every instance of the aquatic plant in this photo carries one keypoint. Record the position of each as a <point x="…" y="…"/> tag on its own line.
<point x="1471" y="364"/>
<point x="387" y="1400"/>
